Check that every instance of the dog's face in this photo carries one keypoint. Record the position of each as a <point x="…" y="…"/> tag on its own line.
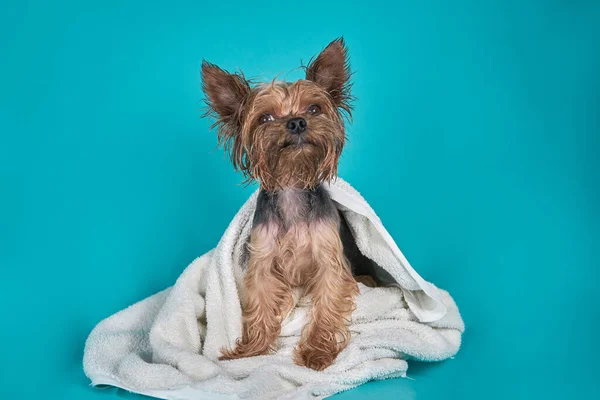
<point x="284" y="133"/>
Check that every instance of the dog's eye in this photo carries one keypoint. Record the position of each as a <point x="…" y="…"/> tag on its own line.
<point x="266" y="118"/>
<point x="313" y="109"/>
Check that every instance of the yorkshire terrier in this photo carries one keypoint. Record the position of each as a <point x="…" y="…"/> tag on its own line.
<point x="288" y="137"/>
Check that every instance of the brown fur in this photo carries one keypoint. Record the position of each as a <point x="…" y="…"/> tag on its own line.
<point x="263" y="152"/>
<point x="332" y="290"/>
<point x="267" y="297"/>
<point x="288" y="247"/>
<point x="275" y="157"/>
<point x="309" y="256"/>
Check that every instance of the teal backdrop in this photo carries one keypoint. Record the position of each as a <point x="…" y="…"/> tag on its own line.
<point x="475" y="137"/>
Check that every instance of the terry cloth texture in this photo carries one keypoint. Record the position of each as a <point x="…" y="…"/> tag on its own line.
<point x="167" y="345"/>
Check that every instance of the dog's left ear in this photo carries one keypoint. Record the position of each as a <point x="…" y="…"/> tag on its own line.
<point x="331" y="71"/>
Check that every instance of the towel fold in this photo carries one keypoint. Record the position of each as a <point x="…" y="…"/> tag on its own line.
<point x="167" y="345"/>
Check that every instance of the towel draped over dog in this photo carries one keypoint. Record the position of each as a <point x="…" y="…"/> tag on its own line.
<point x="167" y="345"/>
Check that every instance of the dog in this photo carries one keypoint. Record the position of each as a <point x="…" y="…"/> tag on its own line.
<point x="288" y="137"/>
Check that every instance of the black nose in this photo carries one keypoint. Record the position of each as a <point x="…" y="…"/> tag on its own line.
<point x="296" y="125"/>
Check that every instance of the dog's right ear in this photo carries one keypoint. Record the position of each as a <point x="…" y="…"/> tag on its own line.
<point x="331" y="70"/>
<point x="225" y="93"/>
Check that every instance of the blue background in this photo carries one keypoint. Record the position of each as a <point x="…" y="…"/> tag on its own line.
<point x="475" y="138"/>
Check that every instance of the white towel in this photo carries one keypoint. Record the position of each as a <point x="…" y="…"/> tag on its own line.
<point x="167" y="345"/>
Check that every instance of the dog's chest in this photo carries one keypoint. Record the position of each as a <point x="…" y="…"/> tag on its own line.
<point x="293" y="207"/>
<point x="294" y="220"/>
<point x="295" y="245"/>
<point x="289" y="207"/>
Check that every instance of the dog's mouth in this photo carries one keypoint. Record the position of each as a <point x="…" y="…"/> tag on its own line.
<point x="296" y="143"/>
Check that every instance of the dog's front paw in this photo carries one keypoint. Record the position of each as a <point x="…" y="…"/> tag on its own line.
<point x="244" y="350"/>
<point x="314" y="358"/>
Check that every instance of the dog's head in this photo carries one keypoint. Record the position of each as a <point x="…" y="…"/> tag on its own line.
<point x="283" y="134"/>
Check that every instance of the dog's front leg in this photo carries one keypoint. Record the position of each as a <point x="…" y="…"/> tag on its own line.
<point x="332" y="290"/>
<point x="267" y="296"/>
